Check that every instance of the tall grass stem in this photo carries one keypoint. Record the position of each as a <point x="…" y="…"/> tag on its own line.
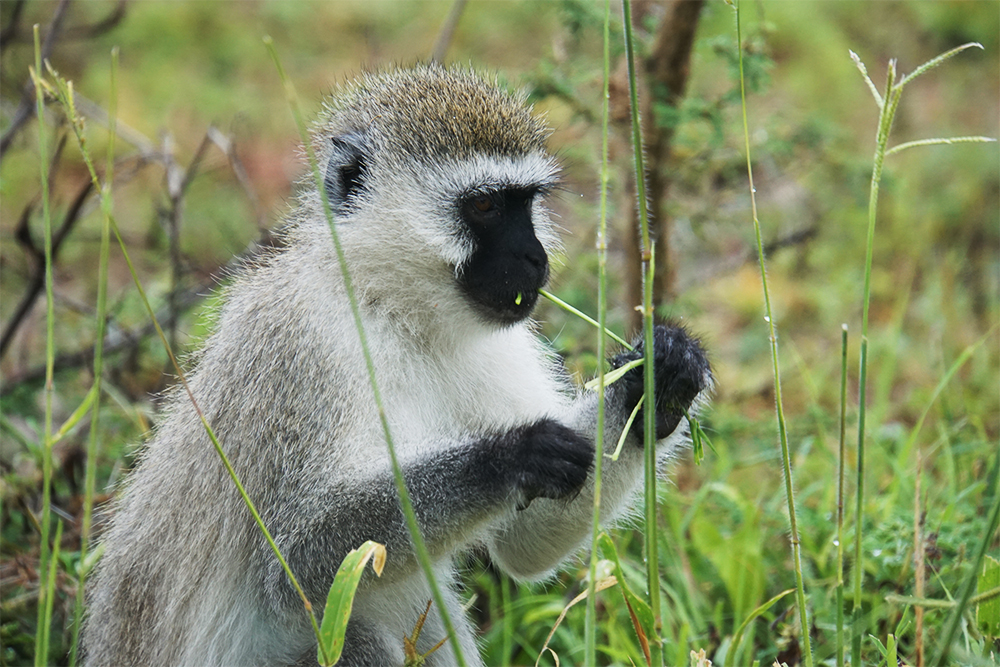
<point x="46" y="589"/>
<point x="590" y="627"/>
<point x="918" y="554"/>
<point x="786" y="461"/>
<point x="841" y="472"/>
<point x="90" y="475"/>
<point x="649" y="414"/>
<point x="886" y="113"/>
<point x="582" y="315"/>
<point x="887" y="103"/>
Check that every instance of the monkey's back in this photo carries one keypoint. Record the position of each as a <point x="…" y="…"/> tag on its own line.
<point x="182" y="578"/>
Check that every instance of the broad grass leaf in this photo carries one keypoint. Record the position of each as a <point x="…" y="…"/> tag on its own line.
<point x="988" y="614"/>
<point x="341" y="599"/>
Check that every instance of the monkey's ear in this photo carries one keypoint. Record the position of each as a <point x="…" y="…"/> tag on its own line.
<point x="346" y="171"/>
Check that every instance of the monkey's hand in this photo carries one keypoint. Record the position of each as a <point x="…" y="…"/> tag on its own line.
<point x="547" y="460"/>
<point x="681" y="372"/>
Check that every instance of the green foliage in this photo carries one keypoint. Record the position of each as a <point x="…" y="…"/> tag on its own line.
<point x="723" y="526"/>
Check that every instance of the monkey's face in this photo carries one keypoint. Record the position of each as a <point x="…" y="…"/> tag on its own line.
<point x="508" y="264"/>
<point x="445" y="175"/>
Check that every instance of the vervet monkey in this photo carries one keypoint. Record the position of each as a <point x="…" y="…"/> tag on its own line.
<point x="438" y="181"/>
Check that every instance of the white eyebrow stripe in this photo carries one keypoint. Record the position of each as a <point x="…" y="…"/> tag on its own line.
<point x="491" y="171"/>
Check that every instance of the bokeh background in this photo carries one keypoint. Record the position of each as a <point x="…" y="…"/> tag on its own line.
<point x="207" y="162"/>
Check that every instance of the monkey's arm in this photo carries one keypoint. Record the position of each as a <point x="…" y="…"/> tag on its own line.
<point x="535" y="541"/>
<point x="456" y="491"/>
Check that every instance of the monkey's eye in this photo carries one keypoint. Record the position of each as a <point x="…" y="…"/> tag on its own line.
<point x="483" y="204"/>
<point x="482" y="208"/>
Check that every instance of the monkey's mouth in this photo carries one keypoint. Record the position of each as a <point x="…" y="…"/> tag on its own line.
<point x="505" y="307"/>
<point x="503" y="294"/>
<point x="518" y="307"/>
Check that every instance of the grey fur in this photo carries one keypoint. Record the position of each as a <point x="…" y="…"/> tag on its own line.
<point x="186" y="578"/>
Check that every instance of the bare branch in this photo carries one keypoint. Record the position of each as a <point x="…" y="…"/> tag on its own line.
<point x="227" y="146"/>
<point x="26" y="107"/>
<point x="6" y="36"/>
<point x="76" y="32"/>
<point x="70" y="218"/>
<point x="447" y="31"/>
<point x="119" y="339"/>
<point x="666" y="74"/>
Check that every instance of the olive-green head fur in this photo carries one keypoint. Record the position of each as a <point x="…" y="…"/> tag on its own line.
<point x="431" y="113"/>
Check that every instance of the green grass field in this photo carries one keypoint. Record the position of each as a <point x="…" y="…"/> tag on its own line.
<point x="194" y="80"/>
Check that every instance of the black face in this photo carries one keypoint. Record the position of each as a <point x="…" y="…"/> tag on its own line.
<point x="509" y="265"/>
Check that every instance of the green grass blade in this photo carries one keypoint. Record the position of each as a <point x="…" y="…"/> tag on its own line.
<point x="893" y="93"/>
<point x="886" y="114"/>
<point x="966" y="354"/>
<point x="627" y="428"/>
<point x="75" y="418"/>
<point x="868" y="80"/>
<point x="934" y="62"/>
<point x="610" y="378"/>
<point x="841" y="473"/>
<point x="639" y="609"/>
<point x="880" y="646"/>
<point x="738" y="636"/>
<point x="985" y="595"/>
<point x="597" y="587"/>
<point x="649" y="416"/>
<point x="65" y="95"/>
<point x="50" y="594"/>
<point x="90" y="474"/>
<point x="698" y="436"/>
<point x="965" y="592"/>
<point x="939" y="142"/>
<point x="8" y="427"/>
<point x="988" y="599"/>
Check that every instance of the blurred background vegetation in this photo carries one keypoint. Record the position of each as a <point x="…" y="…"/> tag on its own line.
<point x="207" y="161"/>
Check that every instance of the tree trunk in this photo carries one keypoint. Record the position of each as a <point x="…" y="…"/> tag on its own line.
<point x="666" y="74"/>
